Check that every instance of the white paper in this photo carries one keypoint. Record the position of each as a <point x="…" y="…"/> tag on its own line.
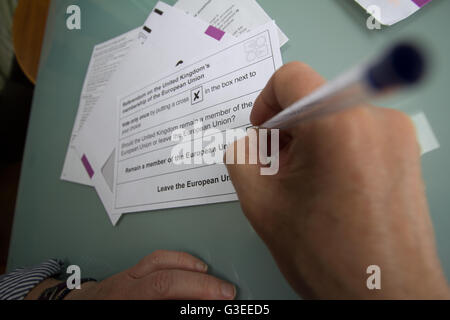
<point x="105" y="59"/>
<point x="389" y="12"/>
<point x="425" y="135"/>
<point x="217" y="91"/>
<point x="233" y="16"/>
<point x="174" y="39"/>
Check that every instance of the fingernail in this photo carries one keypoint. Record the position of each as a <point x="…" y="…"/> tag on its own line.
<point x="228" y="290"/>
<point x="201" y="266"/>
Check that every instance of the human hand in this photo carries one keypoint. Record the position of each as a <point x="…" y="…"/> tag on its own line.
<point x="348" y="194"/>
<point x="163" y="275"/>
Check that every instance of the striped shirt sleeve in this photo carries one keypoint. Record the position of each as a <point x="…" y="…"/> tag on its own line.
<point x="18" y="283"/>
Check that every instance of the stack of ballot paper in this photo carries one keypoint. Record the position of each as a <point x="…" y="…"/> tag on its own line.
<point x="178" y="69"/>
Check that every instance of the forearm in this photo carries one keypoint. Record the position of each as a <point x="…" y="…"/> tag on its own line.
<point x="18" y="284"/>
<point x="40" y="288"/>
<point x="86" y="292"/>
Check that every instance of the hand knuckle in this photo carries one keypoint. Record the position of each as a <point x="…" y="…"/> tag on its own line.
<point x="181" y="258"/>
<point x="401" y="120"/>
<point x="161" y="283"/>
<point x="205" y="283"/>
<point x="402" y="125"/>
<point x="156" y="257"/>
<point x="360" y="116"/>
<point x="346" y="126"/>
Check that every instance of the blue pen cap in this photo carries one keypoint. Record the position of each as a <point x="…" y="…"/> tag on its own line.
<point x="403" y="65"/>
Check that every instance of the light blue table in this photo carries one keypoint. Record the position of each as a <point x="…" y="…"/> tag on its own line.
<point x="59" y="219"/>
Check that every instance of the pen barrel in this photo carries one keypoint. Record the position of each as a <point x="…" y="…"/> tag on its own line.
<point x="401" y="66"/>
<point x="349" y="89"/>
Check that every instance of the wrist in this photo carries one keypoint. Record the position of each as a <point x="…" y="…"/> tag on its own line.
<point x="88" y="291"/>
<point x="37" y="291"/>
<point x="52" y="289"/>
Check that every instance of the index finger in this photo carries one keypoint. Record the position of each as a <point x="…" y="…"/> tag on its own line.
<point x="183" y="285"/>
<point x="290" y="83"/>
<point x="163" y="259"/>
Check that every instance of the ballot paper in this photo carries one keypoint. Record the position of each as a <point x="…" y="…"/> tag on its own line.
<point x="105" y="59"/>
<point x="425" y="134"/>
<point x="216" y="91"/>
<point x="389" y="12"/>
<point x="167" y="41"/>
<point x="233" y="16"/>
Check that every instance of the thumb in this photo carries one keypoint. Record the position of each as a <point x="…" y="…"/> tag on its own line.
<point x="290" y="83"/>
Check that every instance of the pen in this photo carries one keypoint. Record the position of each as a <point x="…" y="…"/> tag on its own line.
<point x="399" y="67"/>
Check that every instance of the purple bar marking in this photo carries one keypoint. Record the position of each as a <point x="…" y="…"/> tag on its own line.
<point x="421" y="3"/>
<point x="87" y="166"/>
<point x="214" y="33"/>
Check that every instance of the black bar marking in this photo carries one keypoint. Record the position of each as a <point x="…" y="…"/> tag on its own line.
<point x="147" y="29"/>
<point x="159" y="12"/>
